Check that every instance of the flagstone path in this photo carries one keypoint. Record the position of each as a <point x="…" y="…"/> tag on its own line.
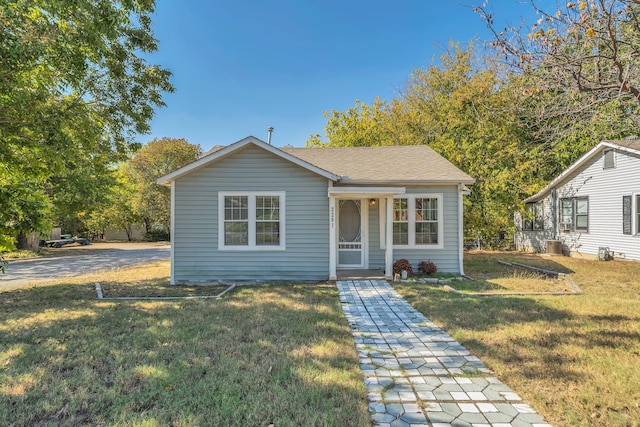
<point x="416" y="374"/>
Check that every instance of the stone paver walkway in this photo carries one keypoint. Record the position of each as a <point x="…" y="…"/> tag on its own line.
<point x="416" y="374"/>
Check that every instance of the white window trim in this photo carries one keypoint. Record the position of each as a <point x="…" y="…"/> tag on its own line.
<point x="635" y="230"/>
<point x="411" y="207"/>
<point x="382" y="222"/>
<point x="251" y="195"/>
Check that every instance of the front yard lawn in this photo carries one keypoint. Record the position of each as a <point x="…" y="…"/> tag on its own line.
<point x="268" y="354"/>
<point x="575" y="358"/>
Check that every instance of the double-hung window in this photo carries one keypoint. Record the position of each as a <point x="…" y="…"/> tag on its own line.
<point x="251" y="220"/>
<point x="417" y="221"/>
<point x="574" y="214"/>
<point x="534" y="219"/>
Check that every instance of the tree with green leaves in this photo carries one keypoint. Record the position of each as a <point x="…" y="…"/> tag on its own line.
<point x="157" y="158"/>
<point x="76" y="89"/>
<point x="462" y="108"/>
<point x="360" y="126"/>
<point x="116" y="207"/>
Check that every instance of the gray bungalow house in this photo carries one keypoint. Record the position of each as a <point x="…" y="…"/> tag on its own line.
<point x="593" y="204"/>
<point x="251" y="211"/>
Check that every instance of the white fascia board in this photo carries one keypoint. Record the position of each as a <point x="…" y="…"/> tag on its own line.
<point x="444" y="181"/>
<point x="364" y="192"/>
<point x="166" y="180"/>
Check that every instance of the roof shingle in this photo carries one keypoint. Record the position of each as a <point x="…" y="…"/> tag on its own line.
<point x="397" y="163"/>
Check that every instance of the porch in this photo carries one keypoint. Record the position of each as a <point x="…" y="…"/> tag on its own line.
<point x="349" y="234"/>
<point x="360" y="274"/>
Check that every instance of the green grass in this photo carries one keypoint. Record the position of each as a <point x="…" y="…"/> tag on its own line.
<point x="575" y="358"/>
<point x="150" y="281"/>
<point x="280" y="354"/>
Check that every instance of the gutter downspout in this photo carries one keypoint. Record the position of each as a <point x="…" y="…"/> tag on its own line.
<point x="461" y="228"/>
<point x="554" y="214"/>
<point x="172" y="233"/>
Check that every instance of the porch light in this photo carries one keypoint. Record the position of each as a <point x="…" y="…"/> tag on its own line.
<point x="372" y="202"/>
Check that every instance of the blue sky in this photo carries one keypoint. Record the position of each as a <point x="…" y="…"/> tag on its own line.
<point x="240" y="66"/>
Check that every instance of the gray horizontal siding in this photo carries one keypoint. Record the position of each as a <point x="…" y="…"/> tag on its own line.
<point x="195" y="237"/>
<point x="446" y="259"/>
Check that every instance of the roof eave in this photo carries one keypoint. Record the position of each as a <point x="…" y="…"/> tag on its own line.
<point x="442" y="181"/>
<point x="224" y="152"/>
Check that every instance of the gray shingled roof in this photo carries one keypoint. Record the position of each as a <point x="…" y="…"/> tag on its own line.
<point x="397" y="163"/>
<point x="634" y="144"/>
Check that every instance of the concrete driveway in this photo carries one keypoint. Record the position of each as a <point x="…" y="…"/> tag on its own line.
<point x="74" y="261"/>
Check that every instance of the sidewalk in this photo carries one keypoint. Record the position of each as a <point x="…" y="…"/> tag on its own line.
<point x="416" y="374"/>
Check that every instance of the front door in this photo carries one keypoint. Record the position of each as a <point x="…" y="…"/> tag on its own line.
<point x="351" y="234"/>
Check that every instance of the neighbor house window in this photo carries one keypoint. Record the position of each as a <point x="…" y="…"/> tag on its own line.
<point x="251" y="221"/>
<point x="609" y="159"/>
<point x="534" y="219"/>
<point x="626" y="215"/>
<point x="638" y="214"/>
<point x="574" y="214"/>
<point x="417" y="221"/>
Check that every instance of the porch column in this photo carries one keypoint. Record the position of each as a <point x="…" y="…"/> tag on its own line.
<point x="388" y="251"/>
<point x="332" y="239"/>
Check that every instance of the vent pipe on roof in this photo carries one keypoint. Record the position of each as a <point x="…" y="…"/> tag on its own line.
<point x="270" y="130"/>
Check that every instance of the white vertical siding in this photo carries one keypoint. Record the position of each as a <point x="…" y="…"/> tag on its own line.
<point x="195" y="236"/>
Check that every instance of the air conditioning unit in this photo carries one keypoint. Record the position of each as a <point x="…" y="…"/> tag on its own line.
<point x="565" y="226"/>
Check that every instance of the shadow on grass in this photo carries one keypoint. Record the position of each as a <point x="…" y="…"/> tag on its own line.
<point x="279" y="354"/>
<point x="479" y="264"/>
<point x="574" y="358"/>
<point x="546" y="343"/>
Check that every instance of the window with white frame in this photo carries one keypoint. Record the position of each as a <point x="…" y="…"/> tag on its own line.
<point x="251" y="220"/>
<point x="417" y="221"/>
<point x="574" y="214"/>
<point x="400" y="222"/>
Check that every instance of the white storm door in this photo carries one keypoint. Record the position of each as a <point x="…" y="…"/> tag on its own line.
<point x="350" y="234"/>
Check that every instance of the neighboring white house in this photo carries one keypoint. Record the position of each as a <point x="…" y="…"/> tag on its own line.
<point x="593" y="204"/>
<point x="251" y="211"/>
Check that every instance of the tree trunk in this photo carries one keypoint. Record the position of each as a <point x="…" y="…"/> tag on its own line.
<point x="21" y="241"/>
<point x="147" y="224"/>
